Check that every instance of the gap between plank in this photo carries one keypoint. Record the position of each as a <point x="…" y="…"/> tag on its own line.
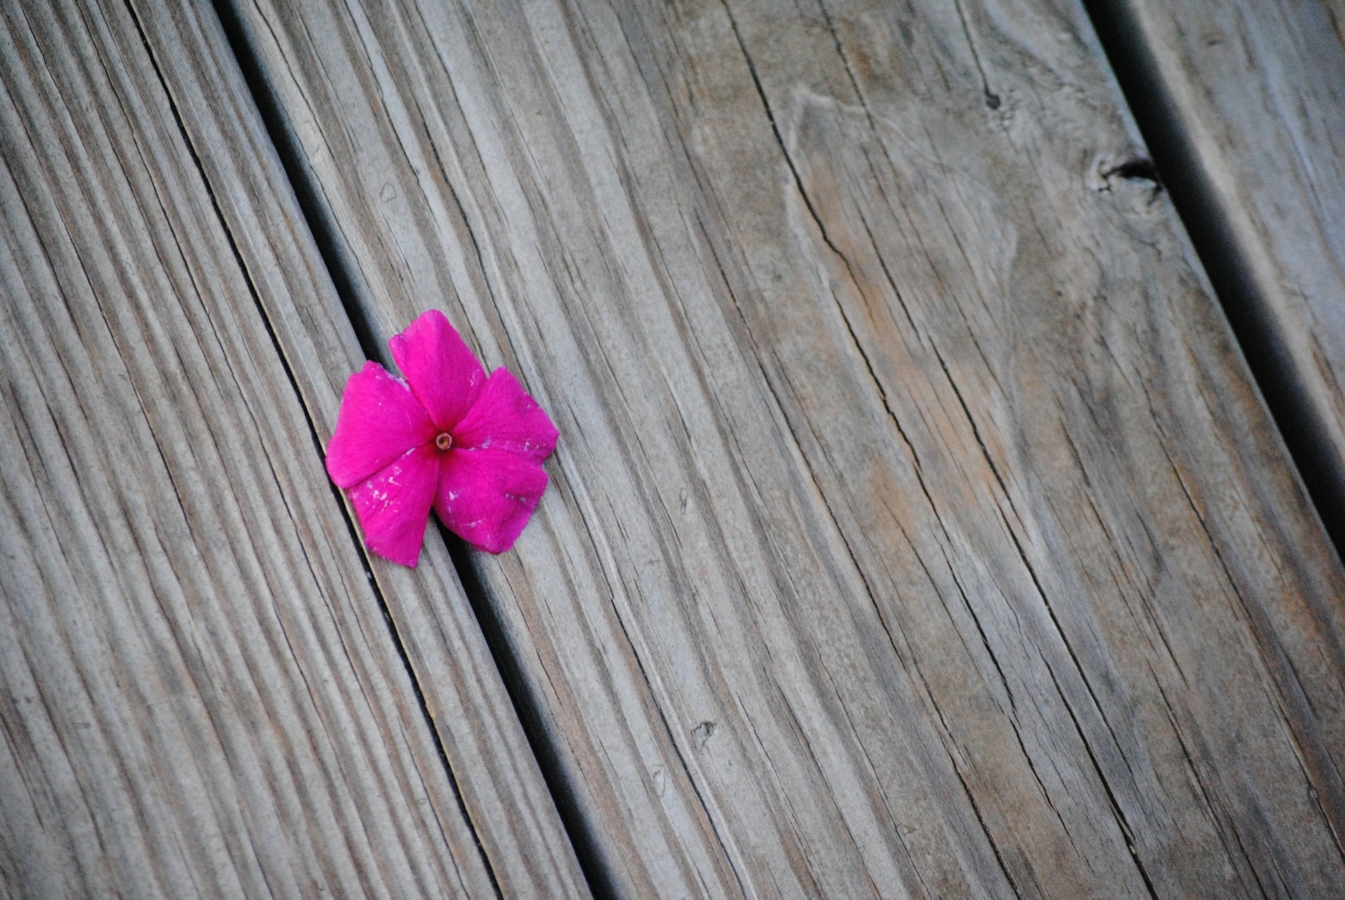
<point x="1247" y="310"/>
<point x="398" y="644"/>
<point x="543" y="747"/>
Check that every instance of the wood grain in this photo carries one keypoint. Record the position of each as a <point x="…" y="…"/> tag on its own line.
<point x="1253" y="95"/>
<point x="201" y="694"/>
<point x="916" y="529"/>
<point x="510" y="807"/>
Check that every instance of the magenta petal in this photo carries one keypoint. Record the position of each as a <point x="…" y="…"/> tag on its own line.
<point x="379" y="421"/>
<point x="505" y="417"/>
<point x="485" y="497"/>
<point x="394" y="506"/>
<point x="442" y="370"/>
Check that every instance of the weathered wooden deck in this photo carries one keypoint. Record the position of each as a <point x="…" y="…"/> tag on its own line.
<point x="916" y="528"/>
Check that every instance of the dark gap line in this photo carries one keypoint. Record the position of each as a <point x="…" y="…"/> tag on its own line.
<point x="545" y="749"/>
<point x="305" y="187"/>
<point x="587" y="848"/>
<point x="1229" y="272"/>
<point x="398" y="644"/>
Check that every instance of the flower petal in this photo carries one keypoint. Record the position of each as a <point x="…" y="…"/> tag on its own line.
<point x="485" y="497"/>
<point x="505" y="417"/>
<point x="379" y="421"/>
<point x="443" y="372"/>
<point x="394" y="505"/>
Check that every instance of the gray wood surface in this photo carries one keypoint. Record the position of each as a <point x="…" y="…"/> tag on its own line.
<point x="510" y="807"/>
<point x="199" y="691"/>
<point x="1256" y="92"/>
<point x="915" y="527"/>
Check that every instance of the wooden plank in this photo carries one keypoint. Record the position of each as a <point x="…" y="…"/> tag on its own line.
<point x="916" y="528"/>
<point x="510" y="807"/>
<point x="201" y="694"/>
<point x="1247" y="101"/>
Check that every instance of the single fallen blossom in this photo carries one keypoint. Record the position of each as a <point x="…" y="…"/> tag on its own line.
<point x="447" y="437"/>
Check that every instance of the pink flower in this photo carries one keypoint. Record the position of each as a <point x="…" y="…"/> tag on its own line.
<point x="447" y="437"/>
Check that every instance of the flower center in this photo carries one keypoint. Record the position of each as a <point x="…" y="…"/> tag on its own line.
<point x="444" y="441"/>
